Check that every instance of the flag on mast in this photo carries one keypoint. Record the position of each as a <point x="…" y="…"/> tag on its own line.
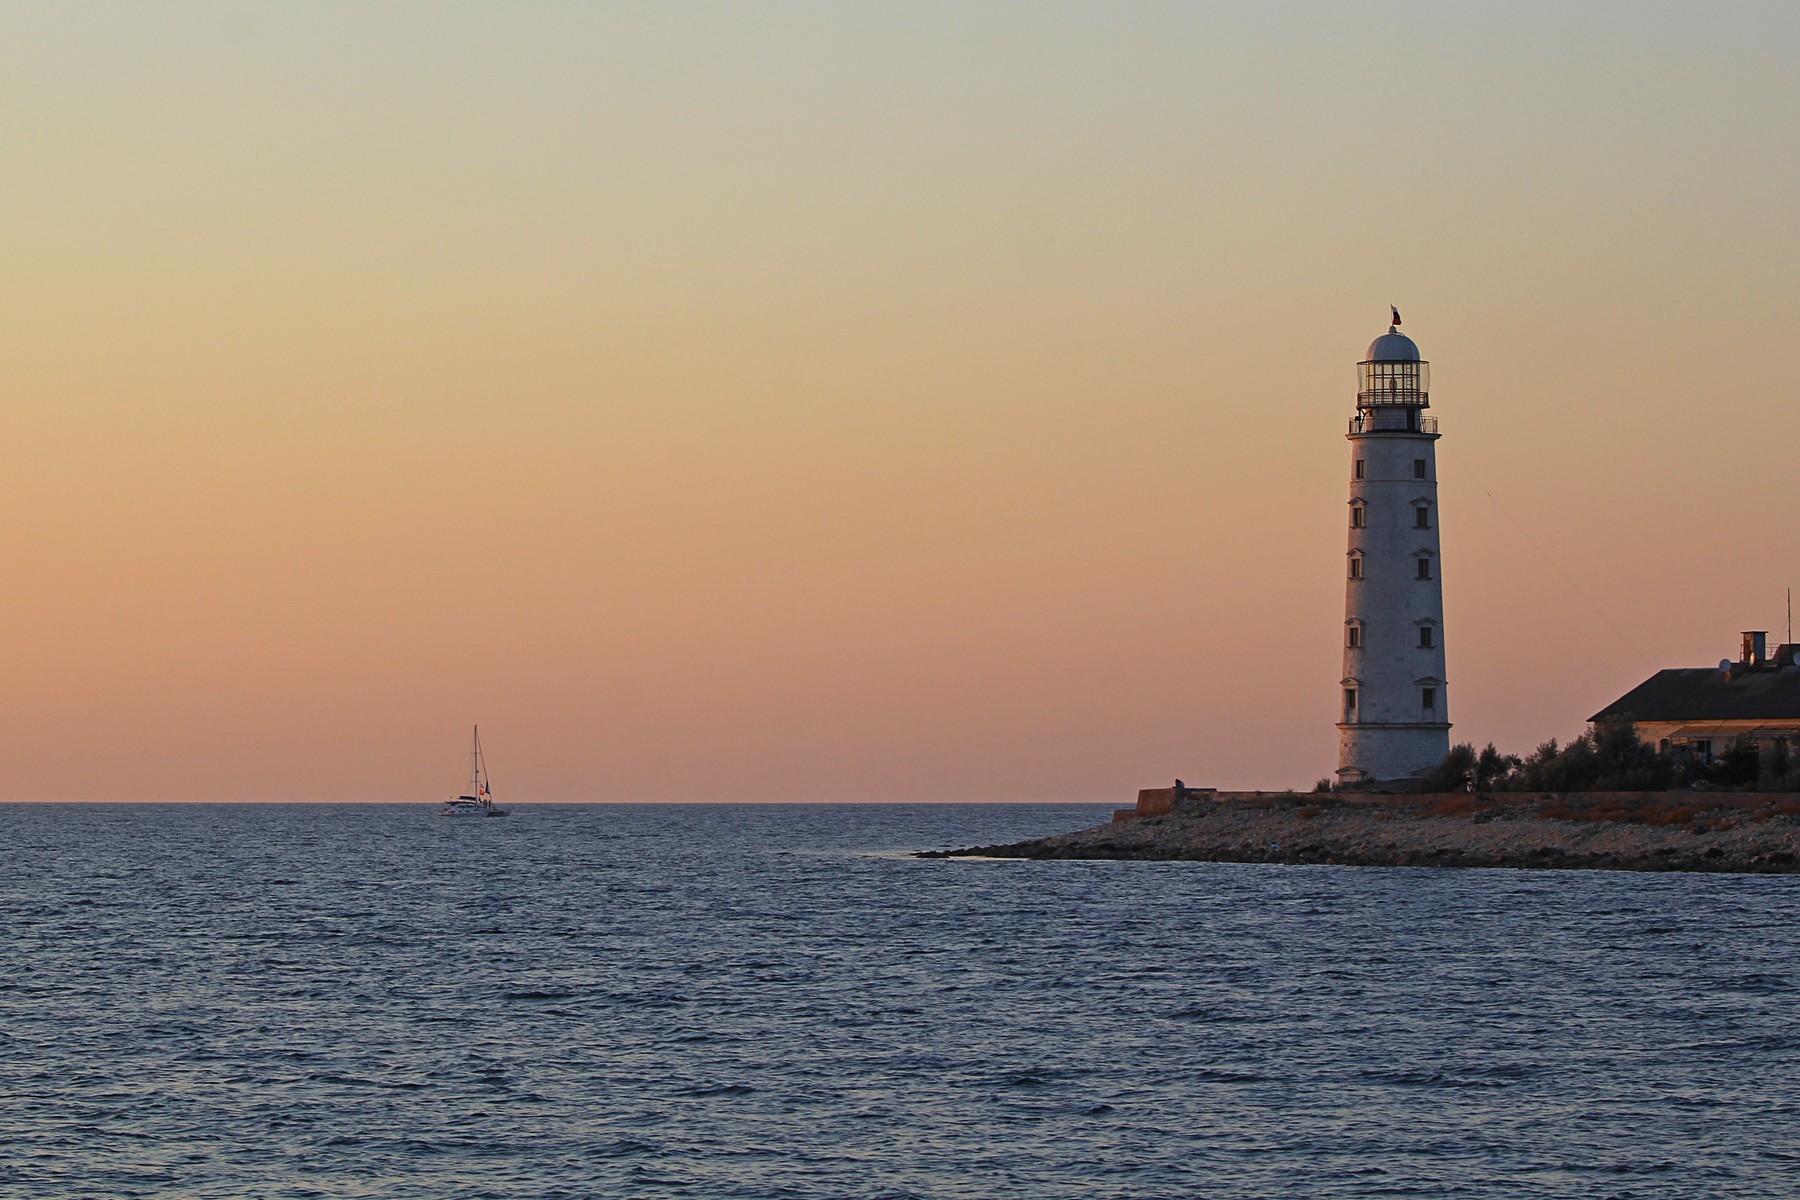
<point x="1396" y="313"/>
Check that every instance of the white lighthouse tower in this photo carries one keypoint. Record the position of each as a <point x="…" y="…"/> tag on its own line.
<point x="1395" y="717"/>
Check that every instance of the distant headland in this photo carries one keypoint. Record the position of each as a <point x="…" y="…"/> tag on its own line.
<point x="1693" y="770"/>
<point x="1745" y="832"/>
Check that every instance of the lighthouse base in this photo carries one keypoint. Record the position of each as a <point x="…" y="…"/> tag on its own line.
<point x="1400" y="754"/>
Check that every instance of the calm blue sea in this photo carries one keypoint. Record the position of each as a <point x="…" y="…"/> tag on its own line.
<point x="773" y="1001"/>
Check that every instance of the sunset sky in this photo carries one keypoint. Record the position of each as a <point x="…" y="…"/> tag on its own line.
<point x="861" y="401"/>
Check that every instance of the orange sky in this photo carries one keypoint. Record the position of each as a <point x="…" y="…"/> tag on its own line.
<point x="905" y="402"/>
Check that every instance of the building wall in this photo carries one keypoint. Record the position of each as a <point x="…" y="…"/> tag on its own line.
<point x="1719" y="733"/>
<point x="1391" y="734"/>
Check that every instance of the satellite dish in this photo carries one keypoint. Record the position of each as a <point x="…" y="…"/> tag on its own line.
<point x="1725" y="665"/>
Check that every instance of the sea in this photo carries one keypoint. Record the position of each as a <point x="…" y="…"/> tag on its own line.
<point x="779" y="1001"/>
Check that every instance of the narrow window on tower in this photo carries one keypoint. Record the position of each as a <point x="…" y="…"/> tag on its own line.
<point x="1354" y="638"/>
<point x="1424" y="568"/>
<point x="1421" y="517"/>
<point x="1418" y="468"/>
<point x="1349" y="704"/>
<point x="1428" y="699"/>
<point x="1358" y="515"/>
<point x="1356" y="566"/>
<point x="1425" y="638"/>
<point x="1358" y="472"/>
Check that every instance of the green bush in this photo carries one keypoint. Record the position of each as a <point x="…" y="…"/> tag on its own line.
<point x="1455" y="774"/>
<point x="1611" y="758"/>
<point x="1607" y="758"/>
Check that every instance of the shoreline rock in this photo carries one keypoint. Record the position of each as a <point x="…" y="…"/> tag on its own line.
<point x="1735" y="834"/>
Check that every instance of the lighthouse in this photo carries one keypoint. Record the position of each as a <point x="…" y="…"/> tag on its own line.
<point x="1394" y="723"/>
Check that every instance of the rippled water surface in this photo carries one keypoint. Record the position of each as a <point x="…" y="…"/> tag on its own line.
<point x="773" y="1001"/>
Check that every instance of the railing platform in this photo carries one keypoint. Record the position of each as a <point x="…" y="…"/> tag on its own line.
<point x="1364" y="423"/>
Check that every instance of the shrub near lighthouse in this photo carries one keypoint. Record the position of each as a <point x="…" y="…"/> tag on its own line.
<point x="1394" y="719"/>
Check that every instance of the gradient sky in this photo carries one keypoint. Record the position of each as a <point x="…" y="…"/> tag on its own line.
<point x="863" y="402"/>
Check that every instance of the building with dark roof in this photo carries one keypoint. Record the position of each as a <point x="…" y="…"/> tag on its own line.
<point x="1701" y="710"/>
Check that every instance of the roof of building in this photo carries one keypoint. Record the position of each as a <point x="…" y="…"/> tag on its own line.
<point x="1766" y="693"/>
<point x="1393" y="346"/>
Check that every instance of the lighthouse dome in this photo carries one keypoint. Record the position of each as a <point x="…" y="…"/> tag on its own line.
<point x="1393" y="346"/>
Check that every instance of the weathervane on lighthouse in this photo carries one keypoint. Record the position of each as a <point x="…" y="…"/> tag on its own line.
<point x="1394" y="724"/>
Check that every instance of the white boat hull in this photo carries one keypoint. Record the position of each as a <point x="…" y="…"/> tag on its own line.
<point x="466" y="806"/>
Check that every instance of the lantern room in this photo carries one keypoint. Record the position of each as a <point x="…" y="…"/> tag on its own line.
<point x="1393" y="385"/>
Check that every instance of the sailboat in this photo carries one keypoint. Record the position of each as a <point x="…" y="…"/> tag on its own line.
<point x="478" y="801"/>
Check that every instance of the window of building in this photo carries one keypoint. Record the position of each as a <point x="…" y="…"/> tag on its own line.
<point x="1428" y="699"/>
<point x="1354" y="638"/>
<point x="1419" y="468"/>
<point x="1361" y="467"/>
<point x="1424" y="568"/>
<point x="1356" y="566"/>
<point x="1349" y="704"/>
<point x="1422" y="517"/>
<point x="1358" y="515"/>
<point x="1703" y="749"/>
<point x="1425" y="638"/>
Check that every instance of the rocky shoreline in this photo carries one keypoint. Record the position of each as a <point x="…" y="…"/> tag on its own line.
<point x="1737" y="833"/>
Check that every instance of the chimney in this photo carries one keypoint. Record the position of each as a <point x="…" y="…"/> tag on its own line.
<point x="1756" y="647"/>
